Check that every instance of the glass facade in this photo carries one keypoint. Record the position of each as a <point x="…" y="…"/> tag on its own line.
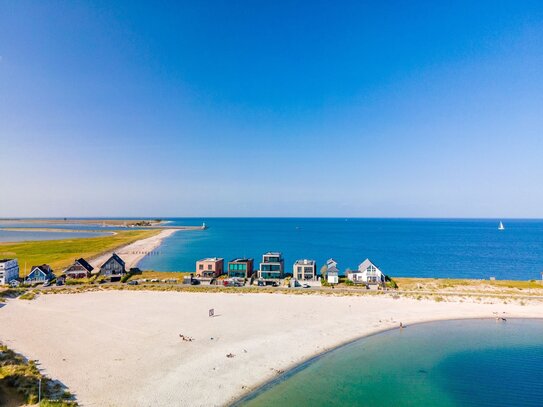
<point x="270" y="267"/>
<point x="270" y="275"/>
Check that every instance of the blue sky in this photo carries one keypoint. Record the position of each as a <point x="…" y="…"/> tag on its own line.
<point x="411" y="109"/>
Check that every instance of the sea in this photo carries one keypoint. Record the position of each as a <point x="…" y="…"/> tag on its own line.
<point x="453" y="248"/>
<point x="441" y="364"/>
<point x="434" y="248"/>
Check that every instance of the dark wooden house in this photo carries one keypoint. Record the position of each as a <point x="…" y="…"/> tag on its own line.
<point x="79" y="269"/>
<point x="113" y="267"/>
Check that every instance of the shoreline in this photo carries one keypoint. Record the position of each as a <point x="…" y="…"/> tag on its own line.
<point x="143" y="351"/>
<point x="294" y="369"/>
<point x="134" y="252"/>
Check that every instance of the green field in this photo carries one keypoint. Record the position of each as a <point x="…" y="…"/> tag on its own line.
<point x="61" y="253"/>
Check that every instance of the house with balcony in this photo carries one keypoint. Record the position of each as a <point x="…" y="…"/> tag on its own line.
<point x="241" y="268"/>
<point x="79" y="269"/>
<point x="305" y="270"/>
<point x="272" y="266"/>
<point x="210" y="268"/>
<point x="9" y="270"/>
<point x="367" y="273"/>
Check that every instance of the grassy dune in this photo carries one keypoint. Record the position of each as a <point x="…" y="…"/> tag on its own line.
<point x="19" y="379"/>
<point x="61" y="253"/>
<point x="464" y="285"/>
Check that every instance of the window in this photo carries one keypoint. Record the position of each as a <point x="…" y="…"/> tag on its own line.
<point x="209" y="267"/>
<point x="200" y="266"/>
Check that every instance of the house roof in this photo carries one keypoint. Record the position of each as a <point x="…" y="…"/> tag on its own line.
<point x="240" y="260"/>
<point x="115" y="257"/>
<point x="304" y="262"/>
<point x="332" y="269"/>
<point x="365" y="264"/>
<point x="330" y="261"/>
<point x="44" y="268"/>
<point x="84" y="264"/>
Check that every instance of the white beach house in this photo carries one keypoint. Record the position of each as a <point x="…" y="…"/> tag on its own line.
<point x="332" y="272"/>
<point x="367" y="273"/>
<point x="9" y="270"/>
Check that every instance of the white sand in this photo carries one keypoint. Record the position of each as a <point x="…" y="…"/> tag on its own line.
<point x="134" y="252"/>
<point x="122" y="348"/>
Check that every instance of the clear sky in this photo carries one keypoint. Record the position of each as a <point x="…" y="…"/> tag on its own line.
<point x="228" y="108"/>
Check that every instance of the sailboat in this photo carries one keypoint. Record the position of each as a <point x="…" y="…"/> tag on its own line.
<point x="501" y="227"/>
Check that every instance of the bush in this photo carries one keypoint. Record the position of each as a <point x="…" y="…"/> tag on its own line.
<point x="126" y="277"/>
<point x="391" y="284"/>
<point x="349" y="283"/>
<point x="30" y="295"/>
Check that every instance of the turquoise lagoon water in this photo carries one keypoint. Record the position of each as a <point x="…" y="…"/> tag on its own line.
<point x="453" y="363"/>
<point x="400" y="247"/>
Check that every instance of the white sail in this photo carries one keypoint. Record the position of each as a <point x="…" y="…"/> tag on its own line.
<point x="501" y="227"/>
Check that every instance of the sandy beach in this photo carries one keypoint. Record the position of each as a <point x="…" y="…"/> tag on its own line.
<point x="123" y="348"/>
<point x="136" y="251"/>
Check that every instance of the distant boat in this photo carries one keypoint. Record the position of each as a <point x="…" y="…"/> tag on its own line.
<point x="501" y="227"/>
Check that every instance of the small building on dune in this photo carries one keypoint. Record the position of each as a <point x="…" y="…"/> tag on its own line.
<point x="40" y="274"/>
<point x="367" y="273"/>
<point x="332" y="272"/>
<point x="79" y="269"/>
<point x="113" y="267"/>
<point x="210" y="268"/>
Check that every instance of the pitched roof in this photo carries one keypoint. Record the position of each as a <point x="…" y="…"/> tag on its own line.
<point x="84" y="264"/>
<point x="332" y="269"/>
<point x="44" y="268"/>
<point x="115" y="257"/>
<point x="365" y="264"/>
<point x="330" y="261"/>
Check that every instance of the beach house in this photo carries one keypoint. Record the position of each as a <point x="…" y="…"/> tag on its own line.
<point x="241" y="267"/>
<point x="332" y="272"/>
<point x="40" y="274"/>
<point x="272" y="266"/>
<point x="79" y="269"/>
<point x="210" y="267"/>
<point x="113" y="267"/>
<point x="367" y="273"/>
<point x="305" y="270"/>
<point x="9" y="270"/>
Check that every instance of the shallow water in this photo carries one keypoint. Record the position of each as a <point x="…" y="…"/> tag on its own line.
<point x="452" y="363"/>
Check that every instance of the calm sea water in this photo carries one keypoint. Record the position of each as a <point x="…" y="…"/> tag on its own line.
<point x="400" y="247"/>
<point x="454" y="363"/>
